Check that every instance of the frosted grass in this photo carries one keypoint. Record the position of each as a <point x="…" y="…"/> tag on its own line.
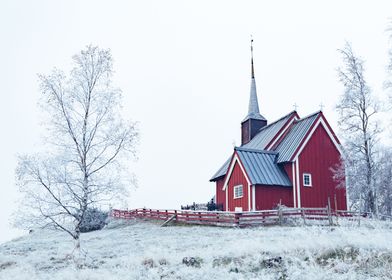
<point x="144" y="250"/>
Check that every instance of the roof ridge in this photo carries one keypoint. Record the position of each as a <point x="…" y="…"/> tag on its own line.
<point x="285" y="116"/>
<point x="309" y="116"/>
<point x="255" y="150"/>
<point x="295" y="136"/>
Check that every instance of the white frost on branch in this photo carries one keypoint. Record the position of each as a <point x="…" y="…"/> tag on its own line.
<point x="88" y="143"/>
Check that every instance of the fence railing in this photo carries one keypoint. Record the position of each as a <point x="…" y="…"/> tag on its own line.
<point x="280" y="216"/>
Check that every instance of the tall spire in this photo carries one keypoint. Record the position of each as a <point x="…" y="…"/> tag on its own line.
<point x="253" y="109"/>
<point x="253" y="122"/>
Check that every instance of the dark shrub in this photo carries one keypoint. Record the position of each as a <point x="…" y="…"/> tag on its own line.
<point x="94" y="219"/>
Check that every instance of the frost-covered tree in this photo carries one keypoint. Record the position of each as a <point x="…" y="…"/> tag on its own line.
<point x="384" y="181"/>
<point x="385" y="166"/>
<point x="388" y="82"/>
<point x="87" y="144"/>
<point x="357" y="119"/>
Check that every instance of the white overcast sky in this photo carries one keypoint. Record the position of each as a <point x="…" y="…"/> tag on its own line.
<point x="184" y="69"/>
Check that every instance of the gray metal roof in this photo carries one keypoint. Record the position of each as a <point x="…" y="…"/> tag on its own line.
<point x="262" y="168"/>
<point x="267" y="133"/>
<point x="253" y="109"/>
<point x="222" y="171"/>
<point x="286" y="148"/>
<point x="294" y="137"/>
<point x="259" y="142"/>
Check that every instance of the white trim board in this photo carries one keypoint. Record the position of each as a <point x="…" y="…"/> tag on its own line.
<point x="294" y="189"/>
<point x="254" y="197"/>
<point x="249" y="205"/>
<point x="227" y="199"/>
<point x="298" y="183"/>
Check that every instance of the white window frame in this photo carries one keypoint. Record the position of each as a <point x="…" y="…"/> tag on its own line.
<point x="310" y="179"/>
<point x="235" y="192"/>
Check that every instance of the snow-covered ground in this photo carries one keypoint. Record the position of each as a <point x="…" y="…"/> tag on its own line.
<point x="144" y="250"/>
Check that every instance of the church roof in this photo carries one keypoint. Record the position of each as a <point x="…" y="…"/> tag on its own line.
<point x="261" y="167"/>
<point x="287" y="146"/>
<point x="290" y="143"/>
<point x="259" y="142"/>
<point x="267" y="133"/>
<point x="222" y="171"/>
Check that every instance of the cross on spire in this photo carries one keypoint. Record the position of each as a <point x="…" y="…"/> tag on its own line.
<point x="321" y="106"/>
<point x="295" y="106"/>
<point x="251" y="52"/>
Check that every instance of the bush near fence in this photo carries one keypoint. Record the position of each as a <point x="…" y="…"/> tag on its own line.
<point x="280" y="216"/>
<point x="209" y="206"/>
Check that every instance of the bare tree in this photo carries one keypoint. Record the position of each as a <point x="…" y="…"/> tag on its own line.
<point x="357" y="119"/>
<point x="388" y="82"/>
<point x="87" y="145"/>
<point x="385" y="166"/>
<point x="384" y="182"/>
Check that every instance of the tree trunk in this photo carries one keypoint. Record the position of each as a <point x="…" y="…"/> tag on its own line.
<point x="78" y="256"/>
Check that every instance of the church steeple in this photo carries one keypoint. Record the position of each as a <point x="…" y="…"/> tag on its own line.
<point x="253" y="121"/>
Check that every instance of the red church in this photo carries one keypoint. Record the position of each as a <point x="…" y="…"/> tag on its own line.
<point x="287" y="161"/>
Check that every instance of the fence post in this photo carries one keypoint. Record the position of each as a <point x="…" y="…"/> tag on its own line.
<point x="329" y="212"/>
<point x="280" y="214"/>
<point x="359" y="217"/>
<point x="237" y="219"/>
<point x="303" y="216"/>
<point x="336" y="211"/>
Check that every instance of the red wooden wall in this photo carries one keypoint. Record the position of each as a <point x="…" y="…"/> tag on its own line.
<point x="237" y="178"/>
<point x="318" y="156"/>
<point x="268" y="197"/>
<point x="220" y="194"/>
<point x="288" y="167"/>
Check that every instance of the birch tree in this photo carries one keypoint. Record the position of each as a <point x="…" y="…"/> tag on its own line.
<point x="357" y="119"/>
<point x="87" y="144"/>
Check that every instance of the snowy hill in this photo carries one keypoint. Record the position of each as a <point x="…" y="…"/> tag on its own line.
<point x="143" y="250"/>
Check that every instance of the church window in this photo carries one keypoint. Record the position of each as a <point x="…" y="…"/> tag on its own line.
<point x="307" y="180"/>
<point x="238" y="191"/>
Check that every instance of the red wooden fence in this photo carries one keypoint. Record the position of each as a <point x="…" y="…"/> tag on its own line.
<point x="241" y="219"/>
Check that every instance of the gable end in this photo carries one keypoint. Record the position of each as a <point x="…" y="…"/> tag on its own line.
<point x="320" y="121"/>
